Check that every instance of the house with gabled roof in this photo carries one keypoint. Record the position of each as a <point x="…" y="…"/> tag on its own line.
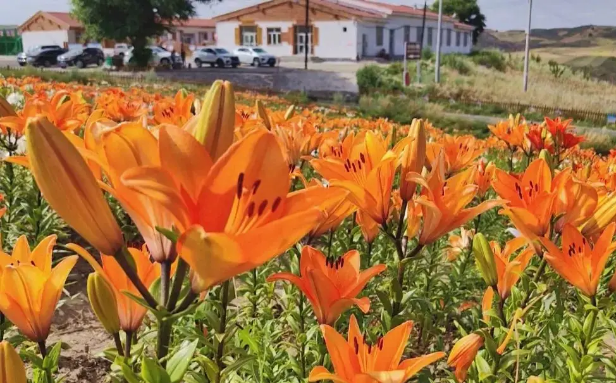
<point x="337" y="29"/>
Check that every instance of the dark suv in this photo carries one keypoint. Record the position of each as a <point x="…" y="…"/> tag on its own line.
<point x="82" y="57"/>
<point x="44" y="56"/>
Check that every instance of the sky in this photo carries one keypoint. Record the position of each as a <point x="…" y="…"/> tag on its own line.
<point x="501" y="14"/>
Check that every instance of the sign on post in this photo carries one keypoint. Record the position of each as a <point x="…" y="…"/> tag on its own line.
<point x="412" y="51"/>
<point x="611" y="118"/>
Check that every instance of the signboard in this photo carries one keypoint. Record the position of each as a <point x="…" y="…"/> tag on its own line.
<point x="413" y="51"/>
<point x="611" y="118"/>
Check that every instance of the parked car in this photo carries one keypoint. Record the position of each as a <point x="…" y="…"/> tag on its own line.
<point x="44" y="57"/>
<point x="82" y="57"/>
<point x="255" y="56"/>
<point x="159" y="56"/>
<point x="215" y="57"/>
<point x="22" y="58"/>
<point x="120" y="49"/>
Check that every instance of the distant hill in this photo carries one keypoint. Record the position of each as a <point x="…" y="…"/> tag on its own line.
<point x="578" y="37"/>
<point x="590" y="48"/>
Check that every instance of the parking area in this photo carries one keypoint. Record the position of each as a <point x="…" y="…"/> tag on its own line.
<point x="289" y="75"/>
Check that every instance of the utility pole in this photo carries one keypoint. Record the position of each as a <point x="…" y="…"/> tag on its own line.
<point x="527" y="51"/>
<point x="306" y="45"/>
<point x="437" y="70"/>
<point x="421" y="40"/>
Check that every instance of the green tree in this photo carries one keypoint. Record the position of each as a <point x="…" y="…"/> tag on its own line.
<point x="131" y="20"/>
<point x="466" y="11"/>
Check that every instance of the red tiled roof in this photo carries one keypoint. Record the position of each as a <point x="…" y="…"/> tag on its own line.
<point x="199" y="23"/>
<point x="66" y="18"/>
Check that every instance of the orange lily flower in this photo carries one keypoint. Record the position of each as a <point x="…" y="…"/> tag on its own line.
<point x="30" y="288"/>
<point x="121" y="108"/>
<point x="176" y="111"/>
<point x="510" y="270"/>
<point x="561" y="133"/>
<point x="463" y="354"/>
<point x="367" y="173"/>
<point x="331" y="285"/>
<point x="369" y="228"/>
<point x="483" y="177"/>
<point x="12" y="369"/>
<point x="458" y="244"/>
<point x="575" y="201"/>
<point x="130" y="312"/>
<point x="460" y="151"/>
<point x="336" y="208"/>
<point x="511" y="131"/>
<point x="578" y="262"/>
<point x="443" y="201"/>
<point x="17" y="123"/>
<point x="413" y="158"/>
<point x="530" y="198"/>
<point x="355" y="360"/>
<point x="237" y="213"/>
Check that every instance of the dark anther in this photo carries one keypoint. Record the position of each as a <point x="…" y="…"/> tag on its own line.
<point x="240" y="185"/>
<point x="262" y="207"/>
<point x="276" y="204"/>
<point x="251" y="209"/>
<point x="255" y="186"/>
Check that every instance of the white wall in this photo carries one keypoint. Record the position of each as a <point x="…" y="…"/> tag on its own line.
<point x="225" y="32"/>
<point x="334" y="42"/>
<point x="397" y="24"/>
<point x="280" y="50"/>
<point x="33" y="38"/>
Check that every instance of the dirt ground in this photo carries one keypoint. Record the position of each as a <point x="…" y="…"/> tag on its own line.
<point x="77" y="327"/>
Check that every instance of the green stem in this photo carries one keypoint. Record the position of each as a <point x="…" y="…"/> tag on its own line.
<point x="188" y="300"/>
<point x="536" y="278"/>
<point x="128" y="343"/>
<point x="501" y="308"/>
<point x="2" y="321"/>
<point x="329" y="243"/>
<point x="593" y="323"/>
<point x="222" y="329"/>
<point x="350" y="232"/>
<point x="178" y="281"/>
<point x="164" y="337"/>
<point x="397" y="306"/>
<point x="302" y="329"/>
<point x="122" y="257"/>
<point x="165" y="281"/>
<point x="118" y="343"/>
<point x="43" y="350"/>
<point x="401" y="220"/>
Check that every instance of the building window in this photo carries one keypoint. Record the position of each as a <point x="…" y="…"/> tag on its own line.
<point x="274" y="36"/>
<point x="430" y="37"/>
<point x="205" y="36"/>
<point x="458" y="38"/>
<point x="465" y="39"/>
<point x="303" y="39"/>
<point x="379" y="36"/>
<point x="420" y="35"/>
<point x="248" y="36"/>
<point x="407" y="33"/>
<point x="449" y="37"/>
<point x="344" y="29"/>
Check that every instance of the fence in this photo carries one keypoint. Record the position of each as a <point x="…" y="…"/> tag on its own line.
<point x="10" y="45"/>
<point x="514" y="108"/>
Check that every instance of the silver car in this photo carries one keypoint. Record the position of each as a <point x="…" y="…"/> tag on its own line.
<point x="255" y="56"/>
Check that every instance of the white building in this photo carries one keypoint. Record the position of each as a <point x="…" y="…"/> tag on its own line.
<point x="338" y="29"/>
<point x="50" y="28"/>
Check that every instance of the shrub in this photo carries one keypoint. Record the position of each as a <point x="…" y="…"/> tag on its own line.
<point x="427" y="54"/>
<point x="395" y="69"/>
<point x="369" y="78"/>
<point x="490" y="59"/>
<point x="556" y="70"/>
<point x="458" y="63"/>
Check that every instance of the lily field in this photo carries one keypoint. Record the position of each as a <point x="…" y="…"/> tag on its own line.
<point x="231" y="237"/>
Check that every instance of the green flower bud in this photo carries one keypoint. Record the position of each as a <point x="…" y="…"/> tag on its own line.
<point x="484" y="257"/>
<point x="103" y="301"/>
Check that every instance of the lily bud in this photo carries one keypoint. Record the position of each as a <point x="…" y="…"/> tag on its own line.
<point x="547" y="157"/>
<point x="413" y="158"/>
<point x="67" y="183"/>
<point x="289" y="113"/>
<point x="103" y="301"/>
<point x="484" y="258"/>
<point x="216" y="122"/>
<point x="6" y="109"/>
<point x="463" y="354"/>
<point x="12" y="368"/>
<point x="604" y="214"/>
<point x="262" y="112"/>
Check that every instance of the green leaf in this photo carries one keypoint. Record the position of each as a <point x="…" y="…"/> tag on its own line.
<point x="211" y="369"/>
<point x="237" y="365"/>
<point x="483" y="367"/>
<point x="152" y="372"/>
<point x="159" y="314"/>
<point x="179" y="362"/>
<point x="127" y="372"/>
<point x="171" y="235"/>
<point x="247" y="339"/>
<point x="51" y="360"/>
<point x="384" y="298"/>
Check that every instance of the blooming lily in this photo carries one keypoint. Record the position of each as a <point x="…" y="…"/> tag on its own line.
<point x="356" y="360"/>
<point x="463" y="354"/>
<point x="331" y="285"/>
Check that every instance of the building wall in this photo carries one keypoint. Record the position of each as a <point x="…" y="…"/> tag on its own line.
<point x="285" y="48"/>
<point x="396" y="26"/>
<point x="337" y="40"/>
<point x="31" y="39"/>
